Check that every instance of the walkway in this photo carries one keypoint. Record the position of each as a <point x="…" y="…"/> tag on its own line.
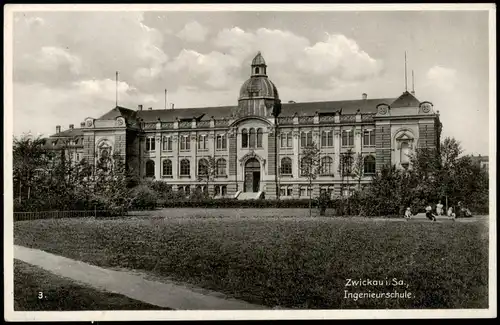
<point x="161" y="294"/>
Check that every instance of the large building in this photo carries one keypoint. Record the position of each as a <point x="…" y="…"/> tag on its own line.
<point x="255" y="146"/>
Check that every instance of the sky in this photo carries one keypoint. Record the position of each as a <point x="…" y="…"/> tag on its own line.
<point x="64" y="63"/>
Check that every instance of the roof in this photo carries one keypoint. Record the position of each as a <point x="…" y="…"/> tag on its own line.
<point x="68" y="133"/>
<point x="258" y="60"/>
<point x="287" y="109"/>
<point x="406" y="100"/>
<point x="119" y="111"/>
<point x="261" y="86"/>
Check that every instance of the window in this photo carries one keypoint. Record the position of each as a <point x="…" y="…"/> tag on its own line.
<point x="220" y="190"/>
<point x="326" y="166"/>
<point x="305" y="166"/>
<point x="251" y="138"/>
<point x="347" y="138"/>
<point x="305" y="191"/>
<point x="221" y="167"/>
<point x="286" y="166"/>
<point x="327" y="139"/>
<point x="203" y="142"/>
<point x="286" y="190"/>
<point x="305" y="138"/>
<point x="185" y="167"/>
<point x="150" y="168"/>
<point x="244" y="138"/>
<point x="347" y="191"/>
<point x="259" y="138"/>
<point x="186" y="189"/>
<point x="167" y="143"/>
<point x="369" y="165"/>
<point x="257" y="70"/>
<point x="150" y="144"/>
<point x="202" y="188"/>
<point x="221" y="142"/>
<point x="286" y="140"/>
<point x="77" y="157"/>
<point x="405" y="154"/>
<point x="203" y="167"/>
<point x="184" y="143"/>
<point x="167" y="167"/>
<point x="368" y="138"/>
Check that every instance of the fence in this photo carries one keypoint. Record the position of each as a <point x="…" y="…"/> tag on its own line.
<point x="25" y="216"/>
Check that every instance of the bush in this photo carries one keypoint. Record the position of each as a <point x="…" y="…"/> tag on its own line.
<point x="144" y="197"/>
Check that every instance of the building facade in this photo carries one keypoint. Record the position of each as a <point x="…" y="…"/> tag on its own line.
<point x="255" y="146"/>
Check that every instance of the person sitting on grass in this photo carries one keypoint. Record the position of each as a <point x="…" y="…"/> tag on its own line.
<point x="429" y="214"/>
<point x="408" y="213"/>
<point x="451" y="214"/>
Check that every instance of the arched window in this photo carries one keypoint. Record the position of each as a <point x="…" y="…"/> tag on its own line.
<point x="244" y="138"/>
<point x="252" y="138"/>
<point x="405" y="154"/>
<point x="286" y="166"/>
<point x="259" y="138"/>
<point x="185" y="167"/>
<point x="150" y="168"/>
<point x="257" y="70"/>
<point x="304" y="166"/>
<point x="203" y="167"/>
<point x="326" y="166"/>
<point x="167" y="167"/>
<point x="221" y="167"/>
<point x="369" y="165"/>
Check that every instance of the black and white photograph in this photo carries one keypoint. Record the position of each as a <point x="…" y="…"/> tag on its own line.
<point x="211" y="162"/>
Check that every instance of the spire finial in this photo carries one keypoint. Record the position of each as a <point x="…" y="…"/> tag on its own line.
<point x="116" y="101"/>
<point x="412" y="83"/>
<point x="406" y="79"/>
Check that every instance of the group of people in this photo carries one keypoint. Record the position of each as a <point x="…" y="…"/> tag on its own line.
<point x="430" y="215"/>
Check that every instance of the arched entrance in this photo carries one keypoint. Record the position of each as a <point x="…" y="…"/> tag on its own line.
<point x="252" y="175"/>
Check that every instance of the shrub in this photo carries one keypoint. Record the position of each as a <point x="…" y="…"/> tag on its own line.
<point x="144" y="197"/>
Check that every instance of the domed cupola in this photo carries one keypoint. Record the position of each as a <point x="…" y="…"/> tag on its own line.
<point x="258" y="95"/>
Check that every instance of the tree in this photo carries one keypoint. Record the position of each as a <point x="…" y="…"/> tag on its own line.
<point x="345" y="170"/>
<point x="310" y="167"/>
<point x="358" y="169"/>
<point x="208" y="171"/>
<point x="30" y="160"/>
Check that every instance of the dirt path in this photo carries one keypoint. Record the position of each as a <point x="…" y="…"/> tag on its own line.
<point x="168" y="295"/>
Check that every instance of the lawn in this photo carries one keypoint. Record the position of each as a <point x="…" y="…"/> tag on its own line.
<point x="287" y="262"/>
<point x="61" y="294"/>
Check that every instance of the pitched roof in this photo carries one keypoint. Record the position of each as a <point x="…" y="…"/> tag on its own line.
<point x="406" y="100"/>
<point x="287" y="109"/>
<point x="68" y="133"/>
<point x="119" y="111"/>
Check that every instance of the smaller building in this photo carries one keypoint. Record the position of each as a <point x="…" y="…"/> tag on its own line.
<point x="481" y="161"/>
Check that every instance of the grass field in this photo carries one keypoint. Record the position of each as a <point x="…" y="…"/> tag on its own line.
<point x="292" y="263"/>
<point x="60" y="294"/>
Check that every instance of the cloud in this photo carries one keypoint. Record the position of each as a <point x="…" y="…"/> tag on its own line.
<point x="105" y="42"/>
<point x="293" y="60"/>
<point x="441" y="77"/>
<point x="213" y="70"/>
<point x="193" y="32"/>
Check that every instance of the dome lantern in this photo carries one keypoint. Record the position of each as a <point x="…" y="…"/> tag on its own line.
<point x="259" y="66"/>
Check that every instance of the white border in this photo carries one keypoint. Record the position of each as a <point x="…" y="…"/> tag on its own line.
<point x="9" y="313"/>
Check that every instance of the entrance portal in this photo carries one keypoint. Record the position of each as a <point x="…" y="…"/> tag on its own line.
<point x="252" y="175"/>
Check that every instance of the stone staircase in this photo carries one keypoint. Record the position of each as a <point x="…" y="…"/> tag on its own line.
<point x="249" y="195"/>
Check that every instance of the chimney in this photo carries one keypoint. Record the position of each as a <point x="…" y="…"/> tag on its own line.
<point x="58" y="129"/>
<point x="71" y="126"/>
<point x="82" y="124"/>
<point x="172" y="105"/>
<point x="139" y="107"/>
<point x="364" y="96"/>
<point x="412" y="92"/>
